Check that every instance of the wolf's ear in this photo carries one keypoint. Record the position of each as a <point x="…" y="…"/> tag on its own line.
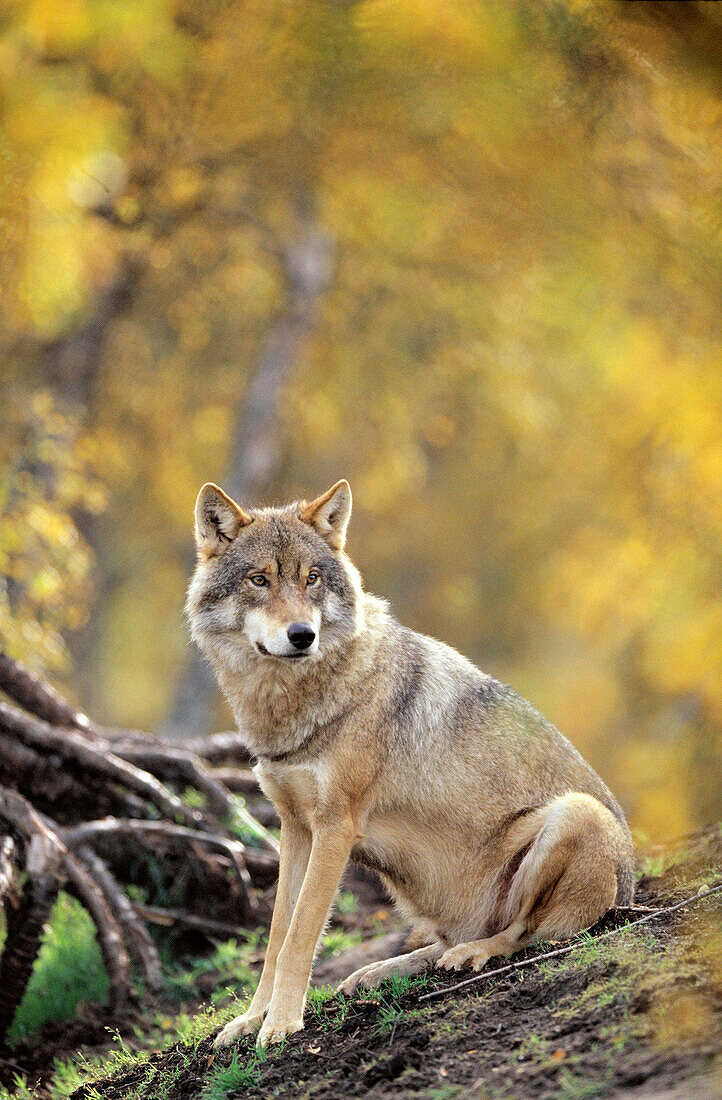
<point x="329" y="514"/>
<point x="218" y="520"/>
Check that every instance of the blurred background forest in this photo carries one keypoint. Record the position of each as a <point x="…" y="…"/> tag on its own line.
<point x="466" y="254"/>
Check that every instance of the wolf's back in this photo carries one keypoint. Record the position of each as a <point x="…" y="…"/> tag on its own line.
<point x="453" y="722"/>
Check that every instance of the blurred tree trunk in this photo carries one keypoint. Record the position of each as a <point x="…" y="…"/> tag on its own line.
<point x="70" y="366"/>
<point x="256" y="441"/>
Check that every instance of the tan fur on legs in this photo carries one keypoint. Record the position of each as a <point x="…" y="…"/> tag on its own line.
<point x="295" y="850"/>
<point x="329" y="853"/>
<point x="566" y="881"/>
<point x="412" y="963"/>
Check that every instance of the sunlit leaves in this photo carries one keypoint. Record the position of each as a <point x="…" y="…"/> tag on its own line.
<point x="516" y="363"/>
<point x="44" y="562"/>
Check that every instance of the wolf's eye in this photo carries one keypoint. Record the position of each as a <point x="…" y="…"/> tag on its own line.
<point x="259" y="579"/>
<point x="312" y="577"/>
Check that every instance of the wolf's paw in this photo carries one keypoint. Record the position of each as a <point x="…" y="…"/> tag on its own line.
<point x="466" y="954"/>
<point x="277" y="1027"/>
<point x="246" y="1024"/>
<point x="368" y="976"/>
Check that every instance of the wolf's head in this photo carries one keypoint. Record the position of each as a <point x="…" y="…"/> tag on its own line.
<point x="273" y="584"/>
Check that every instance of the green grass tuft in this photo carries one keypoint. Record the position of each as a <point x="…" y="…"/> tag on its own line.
<point x="317" y="998"/>
<point x="347" y="902"/>
<point x="229" y="962"/>
<point x="336" y="941"/>
<point x="20" y="1090"/>
<point x="243" y="1071"/>
<point x="398" y="986"/>
<point x="573" y="1087"/>
<point x="68" y="970"/>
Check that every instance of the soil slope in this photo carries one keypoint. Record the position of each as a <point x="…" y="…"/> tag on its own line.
<point x="636" y="1015"/>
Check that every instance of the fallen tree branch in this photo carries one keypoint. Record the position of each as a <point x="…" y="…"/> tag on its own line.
<point x="218" y="746"/>
<point x="89" y="830"/>
<point x="578" y="942"/>
<point x="167" y="918"/>
<point x="137" y="936"/>
<point x="26" y="921"/>
<point x="39" y="698"/>
<point x="70" y="746"/>
<point x="8" y="885"/>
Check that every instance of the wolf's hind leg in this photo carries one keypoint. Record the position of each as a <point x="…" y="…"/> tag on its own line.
<point x="412" y="963"/>
<point x="566" y="880"/>
<point x="477" y="953"/>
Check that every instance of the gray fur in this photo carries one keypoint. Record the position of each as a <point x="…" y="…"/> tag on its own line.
<point x="446" y="781"/>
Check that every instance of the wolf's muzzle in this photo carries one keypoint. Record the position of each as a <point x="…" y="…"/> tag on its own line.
<point x="301" y="635"/>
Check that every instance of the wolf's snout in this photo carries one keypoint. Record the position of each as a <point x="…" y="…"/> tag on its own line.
<point x="301" y="635"/>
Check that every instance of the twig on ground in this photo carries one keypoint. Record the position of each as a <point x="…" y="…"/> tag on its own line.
<point x="154" y="914"/>
<point x="570" y="947"/>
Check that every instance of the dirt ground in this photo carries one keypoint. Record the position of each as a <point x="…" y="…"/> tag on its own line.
<point x="635" y="1015"/>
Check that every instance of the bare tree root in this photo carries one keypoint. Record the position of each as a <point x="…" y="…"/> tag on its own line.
<point x="238" y="780"/>
<point x="90" y="810"/>
<point x="90" y="830"/>
<point x="83" y="886"/>
<point x="49" y="866"/>
<point x="8" y="874"/>
<point x="23" y="767"/>
<point x="37" y="697"/>
<point x="27" y="917"/>
<point x="25" y="924"/>
<point x="170" y="918"/>
<point x="177" y="766"/>
<point x="74" y="749"/>
<point x="216" y="747"/>
<point x="140" y="944"/>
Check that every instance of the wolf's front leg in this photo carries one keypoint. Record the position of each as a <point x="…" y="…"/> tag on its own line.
<point x="332" y="843"/>
<point x="295" y="850"/>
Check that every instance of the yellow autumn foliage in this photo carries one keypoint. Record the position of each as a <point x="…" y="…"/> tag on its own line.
<point x="516" y="360"/>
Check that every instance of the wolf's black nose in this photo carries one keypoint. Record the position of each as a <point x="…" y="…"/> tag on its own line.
<point x="301" y="635"/>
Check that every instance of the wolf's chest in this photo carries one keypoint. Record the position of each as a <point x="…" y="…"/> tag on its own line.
<point x="294" y="789"/>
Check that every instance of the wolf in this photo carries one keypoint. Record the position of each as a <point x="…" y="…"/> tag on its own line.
<point x="388" y="748"/>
